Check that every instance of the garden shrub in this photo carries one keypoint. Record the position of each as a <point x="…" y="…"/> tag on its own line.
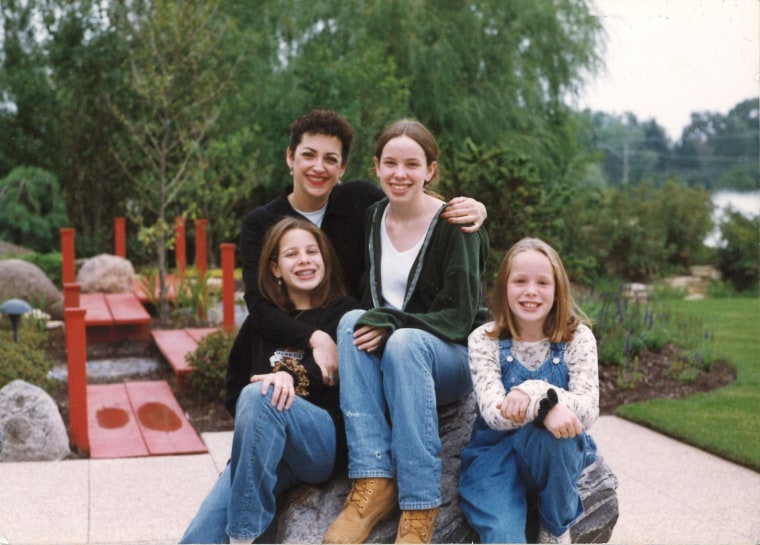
<point x="26" y="360"/>
<point x="209" y="364"/>
<point x="737" y="256"/>
<point x="624" y="328"/>
<point x="32" y="209"/>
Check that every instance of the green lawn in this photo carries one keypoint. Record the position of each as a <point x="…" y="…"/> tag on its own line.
<point x="726" y="421"/>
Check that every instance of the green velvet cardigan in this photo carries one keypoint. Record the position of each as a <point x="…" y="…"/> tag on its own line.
<point x="444" y="289"/>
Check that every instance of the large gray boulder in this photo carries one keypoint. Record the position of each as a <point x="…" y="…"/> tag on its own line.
<point x="23" y="280"/>
<point x="31" y="427"/>
<point x="106" y="273"/>
<point x="307" y="511"/>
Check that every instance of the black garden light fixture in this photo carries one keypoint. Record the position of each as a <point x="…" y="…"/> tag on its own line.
<point x="15" y="309"/>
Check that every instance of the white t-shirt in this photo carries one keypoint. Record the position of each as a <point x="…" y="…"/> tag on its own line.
<point x="395" y="267"/>
<point x="315" y="217"/>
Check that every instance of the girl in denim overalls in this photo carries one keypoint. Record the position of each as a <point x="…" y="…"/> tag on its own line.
<point x="534" y="371"/>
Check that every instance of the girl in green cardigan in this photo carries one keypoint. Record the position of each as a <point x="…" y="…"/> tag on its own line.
<point x="408" y="353"/>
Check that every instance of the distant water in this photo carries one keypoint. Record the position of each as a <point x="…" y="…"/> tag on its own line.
<point x="748" y="203"/>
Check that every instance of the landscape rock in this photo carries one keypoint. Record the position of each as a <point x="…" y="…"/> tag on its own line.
<point x="31" y="427"/>
<point x="106" y="273"/>
<point x="23" y="280"/>
<point x="6" y="248"/>
<point x="307" y="511"/>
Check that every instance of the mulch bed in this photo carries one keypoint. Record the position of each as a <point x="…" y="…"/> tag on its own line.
<point x="656" y="377"/>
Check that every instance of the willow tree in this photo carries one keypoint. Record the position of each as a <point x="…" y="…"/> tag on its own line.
<point x="497" y="72"/>
<point x="179" y="68"/>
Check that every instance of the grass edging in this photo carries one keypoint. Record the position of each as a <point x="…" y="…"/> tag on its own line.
<point x="723" y="422"/>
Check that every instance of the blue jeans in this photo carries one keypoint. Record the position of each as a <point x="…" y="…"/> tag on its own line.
<point x="503" y="472"/>
<point x="272" y="451"/>
<point x="500" y="477"/>
<point x="415" y="372"/>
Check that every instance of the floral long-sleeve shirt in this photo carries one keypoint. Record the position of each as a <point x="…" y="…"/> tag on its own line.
<point x="582" y="395"/>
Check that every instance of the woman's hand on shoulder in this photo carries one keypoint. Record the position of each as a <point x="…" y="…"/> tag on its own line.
<point x="562" y="423"/>
<point x="467" y="212"/>
<point x="283" y="393"/>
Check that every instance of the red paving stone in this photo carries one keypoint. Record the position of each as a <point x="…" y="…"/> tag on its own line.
<point x="112" y="427"/>
<point x="138" y="419"/>
<point x="162" y="421"/>
<point x="175" y="344"/>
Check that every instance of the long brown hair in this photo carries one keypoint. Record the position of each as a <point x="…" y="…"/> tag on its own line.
<point x="564" y="317"/>
<point x="331" y="287"/>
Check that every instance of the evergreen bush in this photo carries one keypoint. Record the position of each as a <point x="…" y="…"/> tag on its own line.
<point x="209" y="364"/>
<point x="50" y="263"/>
<point x="32" y="209"/>
<point x="737" y="256"/>
<point x="26" y="360"/>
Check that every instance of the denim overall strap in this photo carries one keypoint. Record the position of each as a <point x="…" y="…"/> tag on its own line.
<point x="553" y="370"/>
<point x="557" y="358"/>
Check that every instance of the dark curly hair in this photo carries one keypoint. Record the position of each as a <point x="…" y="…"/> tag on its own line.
<point x="323" y="122"/>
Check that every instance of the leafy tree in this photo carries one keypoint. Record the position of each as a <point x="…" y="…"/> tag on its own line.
<point x="496" y="72"/>
<point x="520" y="203"/>
<point x="716" y="150"/>
<point x="31" y="208"/>
<point x="301" y="59"/>
<point x="27" y="100"/>
<point x="736" y="147"/>
<point x="60" y="60"/>
<point x="629" y="151"/>
<point x="686" y="213"/>
<point x="641" y="232"/>
<point x="226" y="162"/>
<point x="85" y="54"/>
<point x="178" y="71"/>
<point x="738" y="254"/>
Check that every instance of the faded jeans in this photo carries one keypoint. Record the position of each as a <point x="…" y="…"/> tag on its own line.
<point x="272" y="451"/>
<point x="415" y="373"/>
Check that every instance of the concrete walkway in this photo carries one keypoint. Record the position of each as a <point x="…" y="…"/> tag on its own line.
<point x="669" y="493"/>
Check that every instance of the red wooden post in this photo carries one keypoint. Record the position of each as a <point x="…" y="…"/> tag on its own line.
<point x="67" y="255"/>
<point x="201" y="261"/>
<point x="228" y="286"/>
<point x="201" y="265"/>
<point x="71" y="293"/>
<point x="76" y="360"/>
<point x="179" y="245"/>
<point x="119" y="237"/>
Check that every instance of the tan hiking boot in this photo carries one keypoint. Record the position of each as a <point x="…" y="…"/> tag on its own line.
<point x="370" y="501"/>
<point x="416" y="526"/>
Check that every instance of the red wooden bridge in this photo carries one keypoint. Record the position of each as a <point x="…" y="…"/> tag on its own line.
<point x="139" y="418"/>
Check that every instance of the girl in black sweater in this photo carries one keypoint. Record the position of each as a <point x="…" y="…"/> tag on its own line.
<point x="279" y="397"/>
